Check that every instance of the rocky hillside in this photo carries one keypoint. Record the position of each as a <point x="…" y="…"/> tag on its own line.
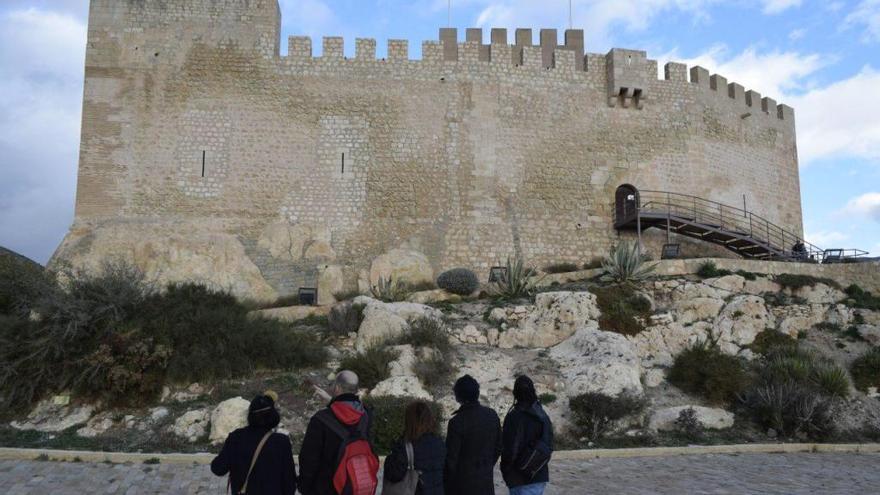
<point x="670" y="360"/>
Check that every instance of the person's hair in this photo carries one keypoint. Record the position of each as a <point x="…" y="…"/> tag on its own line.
<point x="466" y="389"/>
<point x="262" y="413"/>
<point x="347" y="381"/>
<point x="418" y="420"/>
<point x="524" y="391"/>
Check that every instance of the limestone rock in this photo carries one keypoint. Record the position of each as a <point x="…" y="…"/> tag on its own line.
<point x="471" y="335"/>
<point x="383" y="321"/>
<point x="740" y="322"/>
<point x="433" y="296"/>
<point x="710" y="418"/>
<point x="401" y="386"/>
<point x="761" y="285"/>
<point x="654" y="378"/>
<point x="658" y="345"/>
<point x="96" y="426"/>
<point x="403" y="365"/>
<point x="839" y="315"/>
<point x="799" y="318"/>
<point x="331" y="281"/>
<point x="820" y="294"/>
<point x="871" y="333"/>
<point x="228" y="416"/>
<point x="730" y="283"/>
<point x="402" y="266"/>
<point x="284" y="241"/>
<point x="158" y="414"/>
<point x="192" y="425"/>
<point x="320" y="250"/>
<point x="697" y="309"/>
<point x="49" y="416"/>
<point x="596" y="361"/>
<point x="557" y="315"/>
<point x="293" y="313"/>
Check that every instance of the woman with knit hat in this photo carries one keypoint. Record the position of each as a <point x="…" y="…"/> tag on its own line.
<point x="527" y="442"/>
<point x="259" y="461"/>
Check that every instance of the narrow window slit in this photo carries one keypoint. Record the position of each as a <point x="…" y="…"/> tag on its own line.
<point x="343" y="163"/>
<point x="203" y="163"/>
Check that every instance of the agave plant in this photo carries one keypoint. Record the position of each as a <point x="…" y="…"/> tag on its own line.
<point x="625" y="265"/>
<point x="387" y="290"/>
<point x="517" y="281"/>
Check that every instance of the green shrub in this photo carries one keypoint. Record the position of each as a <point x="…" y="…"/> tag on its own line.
<point x="345" y="318"/>
<point x="626" y="266"/>
<point x="703" y="370"/>
<point x="866" y="370"/>
<point x="779" y="299"/>
<point x="620" y="306"/>
<point x="860" y="298"/>
<point x="388" y="420"/>
<point x="831" y="380"/>
<point x="547" y="398"/>
<point x="371" y="366"/>
<point x="560" y="268"/>
<point x="594" y="414"/>
<point x="710" y="270"/>
<point x="23" y="283"/>
<point x="689" y="425"/>
<point x="426" y="332"/>
<point x="517" y="282"/>
<point x="434" y="371"/>
<point x="388" y="290"/>
<point x="828" y="327"/>
<point x="770" y="339"/>
<point x="459" y="281"/>
<point x="795" y="282"/>
<point x="791" y="409"/>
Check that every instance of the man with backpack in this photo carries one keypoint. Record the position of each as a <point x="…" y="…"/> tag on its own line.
<point x="336" y="457"/>
<point x="473" y="443"/>
<point x="527" y="442"/>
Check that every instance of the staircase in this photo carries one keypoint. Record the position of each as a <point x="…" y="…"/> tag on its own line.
<point x="736" y="229"/>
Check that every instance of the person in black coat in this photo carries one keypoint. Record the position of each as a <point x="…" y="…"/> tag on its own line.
<point x="429" y="452"/>
<point x="525" y="424"/>
<point x="473" y="443"/>
<point x="320" y="447"/>
<point x="274" y="472"/>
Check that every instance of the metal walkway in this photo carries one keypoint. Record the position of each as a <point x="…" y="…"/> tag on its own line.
<point x="739" y="230"/>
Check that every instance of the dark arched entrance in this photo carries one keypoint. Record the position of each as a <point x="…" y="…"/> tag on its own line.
<point x="626" y="203"/>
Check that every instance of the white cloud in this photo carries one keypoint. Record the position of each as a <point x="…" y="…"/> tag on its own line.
<point x="777" y="6"/>
<point x="310" y="17"/>
<point x="41" y="55"/>
<point x="867" y="15"/>
<point x="840" y="120"/>
<point x="797" y="34"/>
<point x="865" y="205"/>
<point x="825" y="239"/>
<point x="773" y="74"/>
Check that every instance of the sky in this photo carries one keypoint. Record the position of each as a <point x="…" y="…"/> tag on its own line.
<point x="821" y="57"/>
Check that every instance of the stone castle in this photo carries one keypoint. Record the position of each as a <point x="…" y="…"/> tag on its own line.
<point x="208" y="155"/>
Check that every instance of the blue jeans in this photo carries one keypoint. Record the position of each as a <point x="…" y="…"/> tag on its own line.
<point x="533" y="489"/>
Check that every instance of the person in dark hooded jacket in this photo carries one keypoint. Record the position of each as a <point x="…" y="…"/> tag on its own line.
<point x="473" y="443"/>
<point x="429" y="452"/>
<point x="274" y="472"/>
<point x="320" y="447"/>
<point x="525" y="424"/>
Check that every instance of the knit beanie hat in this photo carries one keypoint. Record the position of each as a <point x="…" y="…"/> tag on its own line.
<point x="524" y="390"/>
<point x="466" y="389"/>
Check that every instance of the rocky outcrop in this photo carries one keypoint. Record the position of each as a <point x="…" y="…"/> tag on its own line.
<point x="658" y="345"/>
<point x="819" y="294"/>
<point x="710" y="418"/>
<point x="401" y="386"/>
<point x="331" y="281"/>
<point x="383" y="321"/>
<point x="596" y="361"/>
<point x="295" y="242"/>
<point x="433" y="296"/>
<point x="293" y="313"/>
<point x="401" y="266"/>
<point x="55" y="415"/>
<point x="227" y="417"/>
<point x="556" y="317"/>
<point x="192" y="425"/>
<point x="740" y="322"/>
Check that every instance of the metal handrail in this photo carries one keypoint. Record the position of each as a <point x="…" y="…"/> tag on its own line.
<point x="731" y="219"/>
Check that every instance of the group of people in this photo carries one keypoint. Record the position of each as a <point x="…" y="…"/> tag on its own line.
<point x="336" y="456"/>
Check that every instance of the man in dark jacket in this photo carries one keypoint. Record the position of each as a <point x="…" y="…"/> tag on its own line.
<point x="473" y="443"/>
<point x="525" y="426"/>
<point x="320" y="447"/>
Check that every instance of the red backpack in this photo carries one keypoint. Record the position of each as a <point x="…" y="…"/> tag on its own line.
<point x="357" y="467"/>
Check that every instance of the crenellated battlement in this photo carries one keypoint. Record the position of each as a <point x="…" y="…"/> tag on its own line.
<point x="629" y="74"/>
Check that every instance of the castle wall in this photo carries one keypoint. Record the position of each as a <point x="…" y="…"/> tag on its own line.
<point x="193" y="122"/>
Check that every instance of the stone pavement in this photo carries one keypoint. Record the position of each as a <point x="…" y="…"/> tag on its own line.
<point x="697" y="474"/>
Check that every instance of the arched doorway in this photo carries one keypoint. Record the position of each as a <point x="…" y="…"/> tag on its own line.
<point x="626" y="203"/>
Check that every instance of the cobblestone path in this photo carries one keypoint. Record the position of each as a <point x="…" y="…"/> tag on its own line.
<point x="705" y="474"/>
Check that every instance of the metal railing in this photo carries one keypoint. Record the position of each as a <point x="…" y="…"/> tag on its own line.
<point x="776" y="241"/>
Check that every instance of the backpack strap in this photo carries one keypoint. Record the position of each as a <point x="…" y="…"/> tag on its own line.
<point x="327" y="417"/>
<point x="254" y="460"/>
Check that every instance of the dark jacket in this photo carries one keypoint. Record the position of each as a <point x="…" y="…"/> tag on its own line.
<point x="473" y="445"/>
<point x="430" y="456"/>
<point x="319" y="452"/>
<point x="273" y="474"/>
<point x="523" y="425"/>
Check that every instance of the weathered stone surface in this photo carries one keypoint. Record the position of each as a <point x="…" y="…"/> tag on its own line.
<point x="402" y="266"/>
<point x="555" y="318"/>
<point x="227" y="417"/>
<point x="293" y="313"/>
<point x="839" y="315"/>
<point x="51" y="417"/>
<point x="658" y="345"/>
<point x="740" y="322"/>
<point x="331" y="281"/>
<point x="192" y="425"/>
<point x="820" y="294"/>
<point x="283" y="240"/>
<point x="710" y="418"/>
<point x="403" y="365"/>
<point x="433" y="296"/>
<point x="697" y="309"/>
<point x="596" y="361"/>
<point x="871" y="333"/>
<point x="96" y="426"/>
<point x="383" y="321"/>
<point x="798" y="318"/>
<point x="729" y="283"/>
<point x="320" y="250"/>
<point x="761" y="285"/>
<point x="471" y="335"/>
<point x="401" y="386"/>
